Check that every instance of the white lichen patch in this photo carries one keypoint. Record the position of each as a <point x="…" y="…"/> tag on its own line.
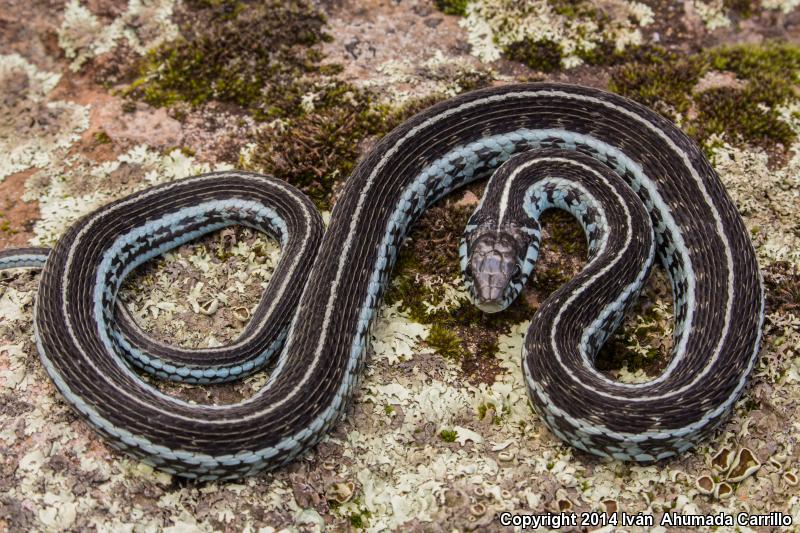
<point x="144" y="25"/>
<point x="646" y="332"/>
<point x="395" y="338"/>
<point x="493" y="25"/>
<point x="33" y="130"/>
<point x="403" y="79"/>
<point x="767" y="199"/>
<point x="203" y="294"/>
<point x="786" y="6"/>
<point x="82" y="35"/>
<point x="713" y="14"/>
<point x="80" y="186"/>
<point x="405" y="467"/>
<point x="442" y="294"/>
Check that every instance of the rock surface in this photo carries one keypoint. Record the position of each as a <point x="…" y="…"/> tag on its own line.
<point x="101" y="98"/>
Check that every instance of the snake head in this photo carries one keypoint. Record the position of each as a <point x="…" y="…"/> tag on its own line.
<point x="496" y="263"/>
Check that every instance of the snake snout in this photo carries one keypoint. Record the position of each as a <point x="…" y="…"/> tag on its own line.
<point x="493" y="267"/>
<point x="490" y="278"/>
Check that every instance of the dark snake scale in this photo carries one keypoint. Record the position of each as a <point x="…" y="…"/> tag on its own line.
<point x="639" y="187"/>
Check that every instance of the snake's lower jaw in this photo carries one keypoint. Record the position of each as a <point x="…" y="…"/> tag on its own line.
<point x="489" y="305"/>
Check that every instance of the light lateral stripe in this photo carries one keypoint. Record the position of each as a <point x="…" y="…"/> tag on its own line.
<point x="602" y="272"/>
<point x="503" y="207"/>
<point x="103" y="331"/>
<point x="679" y="352"/>
<point x="22" y="261"/>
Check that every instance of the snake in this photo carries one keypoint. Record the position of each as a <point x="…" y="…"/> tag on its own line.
<point x="639" y="187"/>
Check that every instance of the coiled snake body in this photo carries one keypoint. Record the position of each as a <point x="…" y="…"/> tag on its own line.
<point x="639" y="187"/>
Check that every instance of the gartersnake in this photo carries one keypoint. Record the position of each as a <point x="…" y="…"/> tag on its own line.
<point x="587" y="151"/>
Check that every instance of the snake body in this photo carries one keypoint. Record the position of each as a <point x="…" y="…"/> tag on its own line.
<point x="575" y="148"/>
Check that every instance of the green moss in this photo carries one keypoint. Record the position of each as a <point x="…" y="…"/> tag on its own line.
<point x="574" y="9"/>
<point x="224" y="9"/>
<point x="357" y="521"/>
<point x="469" y="80"/>
<point x="5" y="227"/>
<point x="547" y="281"/>
<point x="315" y="149"/>
<point x="487" y="347"/>
<point x="484" y="408"/>
<point x="742" y="8"/>
<point x="661" y="80"/>
<point x="443" y="227"/>
<point x="101" y="137"/>
<point x="234" y="51"/>
<point x="544" y="55"/>
<point x="388" y="409"/>
<point x="318" y="145"/>
<point x="666" y="82"/>
<point x="746" y="113"/>
<point x="565" y="232"/>
<point x="563" y="246"/>
<point x="738" y="114"/>
<point x="263" y="58"/>
<point x="761" y="62"/>
<point x="445" y="342"/>
<point x="448" y="435"/>
<point x="452" y="7"/>
<point x="459" y="330"/>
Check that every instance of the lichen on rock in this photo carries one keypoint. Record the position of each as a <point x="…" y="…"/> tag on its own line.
<point x="143" y="25"/>
<point x="33" y="128"/>
<point x="80" y="186"/>
<point x="773" y="224"/>
<point x="441" y="434"/>
<point x="548" y="35"/>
